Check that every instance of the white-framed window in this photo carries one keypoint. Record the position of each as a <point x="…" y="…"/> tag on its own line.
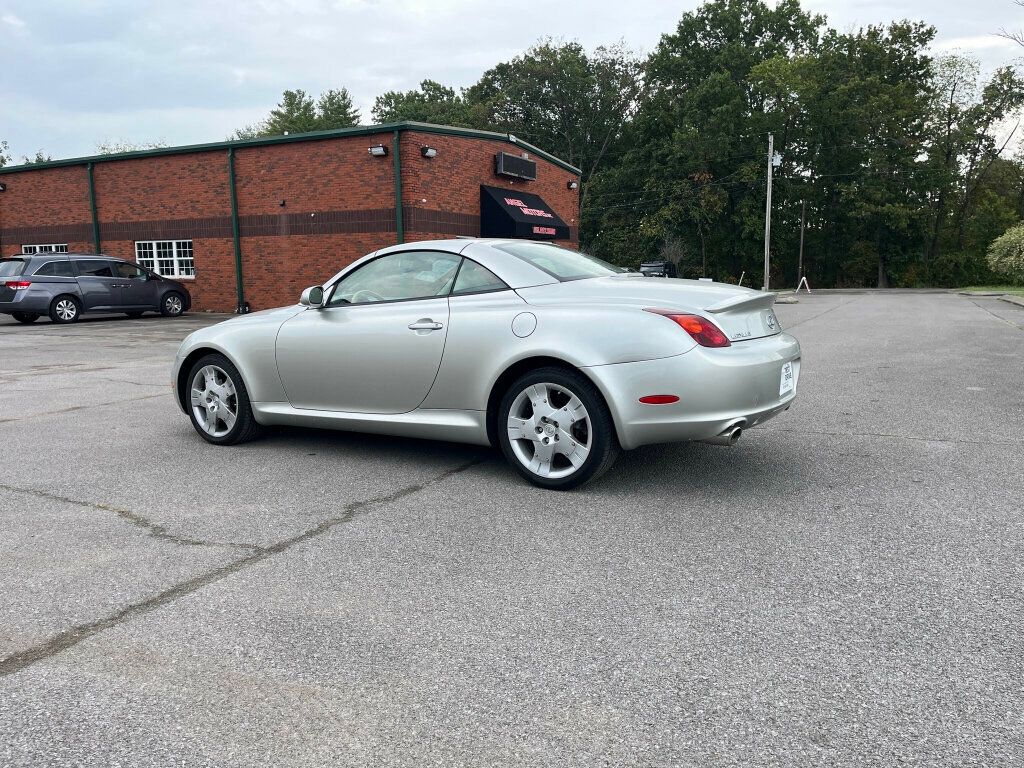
<point x="170" y="258"/>
<point x="28" y="250"/>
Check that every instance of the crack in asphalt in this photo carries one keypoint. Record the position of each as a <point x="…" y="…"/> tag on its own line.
<point x="71" y="408"/>
<point x="155" y="530"/>
<point x="789" y="327"/>
<point x="73" y="636"/>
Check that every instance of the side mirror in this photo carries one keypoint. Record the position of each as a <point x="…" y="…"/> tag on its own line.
<point x="312" y="297"/>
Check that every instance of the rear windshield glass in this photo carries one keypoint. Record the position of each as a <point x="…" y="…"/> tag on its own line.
<point x="12" y="267"/>
<point x="561" y="262"/>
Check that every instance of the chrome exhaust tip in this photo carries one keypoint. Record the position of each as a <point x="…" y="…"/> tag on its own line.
<point x="728" y="436"/>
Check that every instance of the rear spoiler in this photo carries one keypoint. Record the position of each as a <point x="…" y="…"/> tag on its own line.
<point x="748" y="302"/>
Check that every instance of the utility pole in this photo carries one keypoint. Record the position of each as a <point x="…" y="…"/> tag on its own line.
<point x="800" y="262"/>
<point x="768" y="213"/>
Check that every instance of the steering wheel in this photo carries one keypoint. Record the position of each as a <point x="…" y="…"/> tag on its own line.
<point x="365" y="295"/>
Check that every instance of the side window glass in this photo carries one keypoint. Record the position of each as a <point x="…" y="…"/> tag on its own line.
<point x="56" y="269"/>
<point x="398" y="277"/>
<point x="94" y="269"/>
<point x="476" y="279"/>
<point x="130" y="271"/>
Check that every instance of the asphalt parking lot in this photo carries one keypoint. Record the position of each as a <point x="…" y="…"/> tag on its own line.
<point x="842" y="587"/>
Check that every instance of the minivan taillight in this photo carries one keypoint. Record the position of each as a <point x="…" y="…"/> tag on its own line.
<point x="703" y="331"/>
<point x="18" y="285"/>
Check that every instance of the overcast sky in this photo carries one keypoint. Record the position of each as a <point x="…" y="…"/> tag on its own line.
<point x="77" y="72"/>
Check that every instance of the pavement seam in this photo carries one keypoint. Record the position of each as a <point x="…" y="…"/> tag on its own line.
<point x="997" y="317"/>
<point x="73" y="636"/>
<point x="155" y="530"/>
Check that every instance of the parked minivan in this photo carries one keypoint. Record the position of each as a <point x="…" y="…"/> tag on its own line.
<point x="64" y="285"/>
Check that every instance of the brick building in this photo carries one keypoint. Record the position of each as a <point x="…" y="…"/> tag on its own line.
<point x="257" y="221"/>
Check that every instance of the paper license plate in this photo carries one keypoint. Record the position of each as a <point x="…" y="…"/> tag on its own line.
<point x="786" y="382"/>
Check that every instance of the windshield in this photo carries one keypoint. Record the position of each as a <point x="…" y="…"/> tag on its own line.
<point x="12" y="267"/>
<point x="561" y="262"/>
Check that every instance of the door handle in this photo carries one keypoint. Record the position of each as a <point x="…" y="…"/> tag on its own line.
<point x="425" y="324"/>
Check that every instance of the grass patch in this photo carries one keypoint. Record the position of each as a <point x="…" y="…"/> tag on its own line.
<point x="1016" y="290"/>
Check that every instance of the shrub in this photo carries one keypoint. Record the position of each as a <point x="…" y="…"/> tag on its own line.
<point x="1006" y="254"/>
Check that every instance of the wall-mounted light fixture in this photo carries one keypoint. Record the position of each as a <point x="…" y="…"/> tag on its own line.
<point x="572" y="184"/>
<point x="378" y="151"/>
<point x="281" y="203"/>
<point x="3" y="187"/>
<point x="428" y="152"/>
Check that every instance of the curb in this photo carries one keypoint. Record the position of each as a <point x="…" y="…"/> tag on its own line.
<point x="1018" y="300"/>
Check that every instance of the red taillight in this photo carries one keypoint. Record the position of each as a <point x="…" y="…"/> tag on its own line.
<point x="18" y="285"/>
<point x="703" y="331"/>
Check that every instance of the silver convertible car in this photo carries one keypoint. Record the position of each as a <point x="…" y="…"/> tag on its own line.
<point x="556" y="357"/>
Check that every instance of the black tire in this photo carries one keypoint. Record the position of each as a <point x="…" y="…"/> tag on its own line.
<point x="61" y="309"/>
<point x="245" y="427"/>
<point x="604" y="442"/>
<point x="25" y="317"/>
<point x="172" y="304"/>
<point x="134" y="315"/>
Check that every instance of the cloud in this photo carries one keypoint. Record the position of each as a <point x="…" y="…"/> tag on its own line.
<point x="193" y="70"/>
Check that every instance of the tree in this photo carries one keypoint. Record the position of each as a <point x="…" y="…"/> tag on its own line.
<point x="334" y="109"/>
<point x="118" y="146"/>
<point x="297" y="112"/>
<point x="38" y="157"/>
<point x="1006" y="254"/>
<point x="431" y="103"/>
<point x="558" y="97"/>
<point x="5" y="158"/>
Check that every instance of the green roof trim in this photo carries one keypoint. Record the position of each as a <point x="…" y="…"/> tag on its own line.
<point x="338" y="133"/>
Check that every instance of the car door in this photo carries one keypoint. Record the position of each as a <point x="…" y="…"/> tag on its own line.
<point x="100" y="289"/>
<point x="138" y="288"/>
<point x="376" y="345"/>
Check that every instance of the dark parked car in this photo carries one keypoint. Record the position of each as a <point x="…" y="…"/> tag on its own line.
<point x="64" y="285"/>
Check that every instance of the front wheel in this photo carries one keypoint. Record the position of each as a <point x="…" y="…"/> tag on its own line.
<point x="173" y="304"/>
<point x="218" y="402"/>
<point x="25" y="317"/>
<point x="555" y="429"/>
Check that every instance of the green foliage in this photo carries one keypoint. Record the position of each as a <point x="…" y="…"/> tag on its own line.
<point x="297" y="112"/>
<point x="108" y="147"/>
<point x="5" y="158"/>
<point x="1006" y="254"/>
<point x="431" y="103"/>
<point x="38" y="157"/>
<point x="892" y="153"/>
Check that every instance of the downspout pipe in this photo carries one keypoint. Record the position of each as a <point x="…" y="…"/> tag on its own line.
<point x="92" y="207"/>
<point x="396" y="153"/>
<point x="242" y="307"/>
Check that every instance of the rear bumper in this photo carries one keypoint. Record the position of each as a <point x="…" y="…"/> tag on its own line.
<point x="716" y="388"/>
<point x="28" y="300"/>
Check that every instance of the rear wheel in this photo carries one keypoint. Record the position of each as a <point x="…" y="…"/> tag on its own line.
<point x="173" y="304"/>
<point x="25" y="317"/>
<point x="556" y="430"/>
<point x="65" y="309"/>
<point x="218" y="402"/>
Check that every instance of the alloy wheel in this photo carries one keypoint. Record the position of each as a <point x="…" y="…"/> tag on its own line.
<point x="66" y="310"/>
<point x="549" y="430"/>
<point x="173" y="305"/>
<point x="214" y="400"/>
